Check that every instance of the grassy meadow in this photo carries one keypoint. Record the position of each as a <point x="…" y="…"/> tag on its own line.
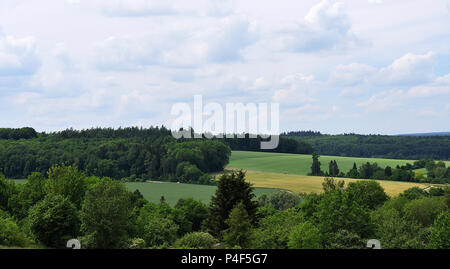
<point x="289" y="171"/>
<point x="268" y="172"/>
<point x="298" y="164"/>
<point x="172" y="192"/>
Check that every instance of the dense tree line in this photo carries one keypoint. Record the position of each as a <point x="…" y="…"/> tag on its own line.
<point x="285" y="145"/>
<point x="436" y="172"/>
<point x="102" y="213"/>
<point x="124" y="153"/>
<point x="301" y="133"/>
<point x="379" y="146"/>
<point x="19" y="133"/>
<point x="133" y="154"/>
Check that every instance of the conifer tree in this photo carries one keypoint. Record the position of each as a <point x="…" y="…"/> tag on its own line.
<point x="231" y="190"/>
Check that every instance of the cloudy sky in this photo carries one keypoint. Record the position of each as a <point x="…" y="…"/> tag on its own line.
<point x="364" y="66"/>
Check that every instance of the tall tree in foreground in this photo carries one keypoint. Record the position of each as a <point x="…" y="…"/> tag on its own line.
<point x="315" y="167"/>
<point x="440" y="232"/>
<point x="238" y="233"/>
<point x="106" y="215"/>
<point x="54" y="220"/>
<point x="231" y="189"/>
<point x="68" y="182"/>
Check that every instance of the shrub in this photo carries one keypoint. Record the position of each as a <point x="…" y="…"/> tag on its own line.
<point x="304" y="236"/>
<point x="196" y="240"/>
<point x="10" y="234"/>
<point x="54" y="220"/>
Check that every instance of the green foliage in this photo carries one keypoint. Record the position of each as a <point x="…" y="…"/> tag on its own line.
<point x="133" y="153"/>
<point x="19" y="133"/>
<point x="7" y="189"/>
<point x="273" y="231"/>
<point x="54" y="220"/>
<point x="315" y="167"/>
<point x="159" y="231"/>
<point x="367" y="193"/>
<point x="396" y="232"/>
<point x="333" y="169"/>
<point x="379" y="146"/>
<point x="424" y="210"/>
<point x="194" y="211"/>
<point x="305" y="236"/>
<point x="106" y="214"/>
<point x="447" y="197"/>
<point x="137" y="243"/>
<point x="10" y="234"/>
<point x="336" y="211"/>
<point x="239" y="227"/>
<point x="152" y="211"/>
<point x="285" y="145"/>
<point x="27" y="195"/>
<point x="344" y="239"/>
<point x="231" y="189"/>
<point x="353" y="173"/>
<point x="68" y="182"/>
<point x="330" y="184"/>
<point x="281" y="200"/>
<point x="196" y="240"/>
<point x="440" y="232"/>
<point x="414" y="193"/>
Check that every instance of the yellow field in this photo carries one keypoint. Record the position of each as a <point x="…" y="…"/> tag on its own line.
<point x="310" y="184"/>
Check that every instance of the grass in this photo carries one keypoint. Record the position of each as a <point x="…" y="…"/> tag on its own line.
<point x="298" y="164"/>
<point x="172" y="192"/>
<point x="310" y="184"/>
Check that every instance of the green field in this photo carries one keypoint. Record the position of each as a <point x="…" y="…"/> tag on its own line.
<point x="298" y="164"/>
<point x="172" y="192"/>
<point x="289" y="171"/>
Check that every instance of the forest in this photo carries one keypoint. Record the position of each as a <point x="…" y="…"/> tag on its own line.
<point x="45" y="212"/>
<point x="132" y="154"/>
<point x="376" y="146"/>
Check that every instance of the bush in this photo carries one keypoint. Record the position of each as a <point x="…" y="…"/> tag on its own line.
<point x="424" y="211"/>
<point x="54" y="220"/>
<point x="106" y="215"/>
<point x="137" y="243"/>
<point x="196" y="240"/>
<point x="10" y="234"/>
<point x="305" y="236"/>
<point x="440" y="232"/>
<point x="159" y="232"/>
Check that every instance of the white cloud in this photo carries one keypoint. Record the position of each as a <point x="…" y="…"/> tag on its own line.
<point x="326" y="26"/>
<point x="409" y="69"/>
<point x="352" y="74"/>
<point x="148" y="8"/>
<point x="18" y="56"/>
<point x="383" y="101"/>
<point x="221" y="41"/>
<point x="440" y="86"/>
<point x="295" y="89"/>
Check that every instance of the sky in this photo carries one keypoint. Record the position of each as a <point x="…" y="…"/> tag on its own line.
<point x="360" y="66"/>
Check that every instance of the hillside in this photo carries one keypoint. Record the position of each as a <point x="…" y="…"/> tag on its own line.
<point x="377" y="146"/>
<point x="298" y="164"/>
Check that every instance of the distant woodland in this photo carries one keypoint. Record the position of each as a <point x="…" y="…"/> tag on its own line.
<point x="376" y="146"/>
